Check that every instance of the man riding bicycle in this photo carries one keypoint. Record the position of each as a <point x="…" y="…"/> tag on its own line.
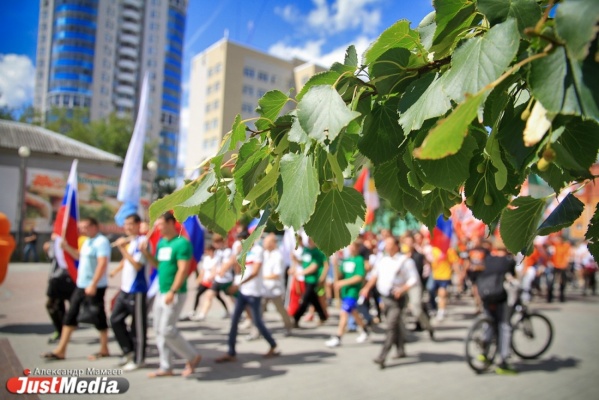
<point x="499" y="266"/>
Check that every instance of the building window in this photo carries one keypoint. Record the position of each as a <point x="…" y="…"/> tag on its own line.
<point x="207" y="126"/>
<point x="216" y="86"/>
<point x="215" y="123"/>
<point x="208" y="89"/>
<point x="247" y="108"/>
<point x="248" y="72"/>
<point x="249" y="90"/>
<point x="208" y="107"/>
<point x="217" y="68"/>
<point x="215" y="105"/>
<point x="262" y="76"/>
<point x="261" y="92"/>
<point x="273" y="79"/>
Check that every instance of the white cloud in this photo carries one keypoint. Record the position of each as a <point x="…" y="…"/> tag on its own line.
<point x="17" y="80"/>
<point x="312" y="50"/>
<point x="339" y="16"/>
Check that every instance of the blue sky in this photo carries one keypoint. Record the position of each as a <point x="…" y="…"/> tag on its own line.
<point x="317" y="30"/>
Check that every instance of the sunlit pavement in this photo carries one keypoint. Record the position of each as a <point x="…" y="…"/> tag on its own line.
<point x="307" y="369"/>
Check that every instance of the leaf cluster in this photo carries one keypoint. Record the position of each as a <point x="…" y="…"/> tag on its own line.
<point x="465" y="106"/>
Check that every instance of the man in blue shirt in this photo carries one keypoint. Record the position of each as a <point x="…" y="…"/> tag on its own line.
<point x="92" y="281"/>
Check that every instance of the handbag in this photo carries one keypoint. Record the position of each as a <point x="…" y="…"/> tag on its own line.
<point x="60" y="284"/>
<point x="89" y="312"/>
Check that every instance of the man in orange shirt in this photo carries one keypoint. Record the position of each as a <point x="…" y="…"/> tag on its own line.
<point x="560" y="257"/>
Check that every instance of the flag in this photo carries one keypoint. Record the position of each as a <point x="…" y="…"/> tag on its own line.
<point x="65" y="224"/>
<point x="442" y="234"/>
<point x="131" y="177"/>
<point x="365" y="185"/>
<point x="193" y="231"/>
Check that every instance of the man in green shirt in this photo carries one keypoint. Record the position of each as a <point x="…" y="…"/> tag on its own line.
<point x="173" y="254"/>
<point x="315" y="268"/>
<point x="351" y="277"/>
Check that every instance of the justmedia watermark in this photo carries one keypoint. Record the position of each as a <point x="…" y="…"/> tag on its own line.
<point x="68" y="381"/>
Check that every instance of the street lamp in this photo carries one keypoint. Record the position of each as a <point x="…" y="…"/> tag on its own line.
<point x="24" y="153"/>
<point x="152" y="167"/>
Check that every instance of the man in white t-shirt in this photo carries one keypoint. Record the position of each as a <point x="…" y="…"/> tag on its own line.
<point x="273" y="272"/>
<point x="131" y="300"/>
<point x="249" y="295"/>
<point x="394" y="275"/>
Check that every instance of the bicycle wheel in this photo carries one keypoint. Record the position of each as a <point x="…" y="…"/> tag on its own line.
<point x="481" y="345"/>
<point x="532" y="336"/>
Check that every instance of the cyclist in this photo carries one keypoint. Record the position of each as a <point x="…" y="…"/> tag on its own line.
<point x="499" y="265"/>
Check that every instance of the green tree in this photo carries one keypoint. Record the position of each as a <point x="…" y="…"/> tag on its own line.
<point x="468" y="104"/>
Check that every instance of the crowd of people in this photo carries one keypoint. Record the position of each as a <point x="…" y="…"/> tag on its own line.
<point x="377" y="278"/>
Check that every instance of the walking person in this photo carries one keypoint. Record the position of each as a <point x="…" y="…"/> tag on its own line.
<point x="173" y="255"/>
<point x="557" y="269"/>
<point x="351" y="278"/>
<point x="394" y="275"/>
<point x="314" y="270"/>
<point x="92" y="281"/>
<point x="224" y="258"/>
<point x="30" y="239"/>
<point x="131" y="300"/>
<point x="249" y="295"/>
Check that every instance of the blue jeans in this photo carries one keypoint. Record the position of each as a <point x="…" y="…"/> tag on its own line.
<point x="28" y="250"/>
<point x="255" y="305"/>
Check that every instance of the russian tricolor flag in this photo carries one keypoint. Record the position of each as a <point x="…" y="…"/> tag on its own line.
<point x="65" y="224"/>
<point x="442" y="234"/>
<point x="190" y="229"/>
<point x="365" y="185"/>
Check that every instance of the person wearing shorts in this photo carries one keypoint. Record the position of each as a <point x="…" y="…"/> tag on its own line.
<point x="351" y="278"/>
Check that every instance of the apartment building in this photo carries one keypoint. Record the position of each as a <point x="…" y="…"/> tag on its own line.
<point x="228" y="79"/>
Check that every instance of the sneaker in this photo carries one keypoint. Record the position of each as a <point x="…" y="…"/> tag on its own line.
<point x="482" y="358"/>
<point x="226" y="315"/>
<point x="247" y="324"/>
<point x="505" y="369"/>
<point x="55" y="338"/>
<point x="252" y="337"/>
<point x="197" y="317"/>
<point x="131" y="366"/>
<point x="126" y="359"/>
<point x="334" y="341"/>
<point x="362" y="337"/>
<point x="188" y="317"/>
<point x="380" y="362"/>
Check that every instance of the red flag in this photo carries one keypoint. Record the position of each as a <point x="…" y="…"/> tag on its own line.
<point x="65" y="224"/>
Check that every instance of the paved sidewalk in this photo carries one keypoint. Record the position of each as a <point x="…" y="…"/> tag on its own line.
<point x="307" y="369"/>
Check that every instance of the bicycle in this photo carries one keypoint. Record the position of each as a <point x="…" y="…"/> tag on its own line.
<point x="532" y="334"/>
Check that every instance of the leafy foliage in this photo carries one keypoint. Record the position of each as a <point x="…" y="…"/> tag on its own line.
<point x="439" y="111"/>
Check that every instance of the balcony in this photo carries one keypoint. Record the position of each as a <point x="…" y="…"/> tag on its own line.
<point x="131" y="27"/>
<point x="131" y="39"/>
<point x="126" y="77"/>
<point x="134" y="3"/>
<point x="124" y="103"/>
<point x="133" y="14"/>
<point x="127" y="64"/>
<point x="128" y="51"/>
<point x="125" y="89"/>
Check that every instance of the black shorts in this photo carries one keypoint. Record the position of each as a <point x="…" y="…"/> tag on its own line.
<point x="77" y="298"/>
<point x="60" y="285"/>
<point x="472" y="275"/>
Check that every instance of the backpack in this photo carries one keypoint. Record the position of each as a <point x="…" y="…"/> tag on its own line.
<point x="490" y="288"/>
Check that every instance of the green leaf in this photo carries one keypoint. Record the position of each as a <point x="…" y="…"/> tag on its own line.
<point x="447" y="136"/>
<point x="269" y="107"/>
<point x="300" y="188"/>
<point x="322" y="114"/>
<point x="511" y="139"/>
<point x="580" y="138"/>
<point x="297" y="134"/>
<point x="422" y="100"/>
<point x="229" y="143"/>
<point x="382" y="134"/>
<point x="494" y="152"/>
<point x="336" y="169"/>
<point x="519" y="222"/>
<point x="576" y="23"/>
<point x="351" y="56"/>
<point x="592" y="234"/>
<point x="248" y="243"/>
<point x="167" y="203"/>
<point x="566" y="86"/>
<point x="322" y="78"/>
<point x="191" y="206"/>
<point x="481" y="60"/>
<point x="386" y="178"/>
<point x="337" y="220"/>
<point x="390" y="74"/>
<point x="526" y="12"/>
<point x="564" y="215"/>
<point x="555" y="177"/>
<point x="479" y="185"/>
<point x="426" y="28"/>
<point x="398" y="35"/>
<point x="497" y="102"/>
<point x="251" y="163"/>
<point x="451" y="171"/>
<point x="218" y="214"/>
<point x="266" y="183"/>
<point x="453" y="18"/>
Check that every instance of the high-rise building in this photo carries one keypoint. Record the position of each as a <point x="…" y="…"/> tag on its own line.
<point x="228" y="79"/>
<point x="95" y="53"/>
